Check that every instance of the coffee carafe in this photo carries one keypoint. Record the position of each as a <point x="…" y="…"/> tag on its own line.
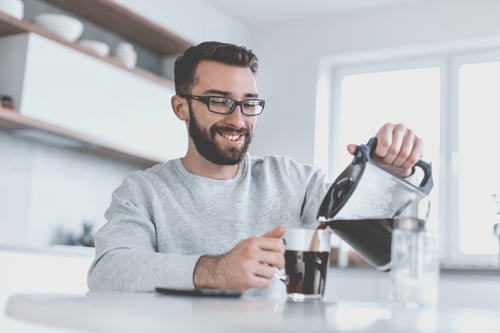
<point x="362" y="204"/>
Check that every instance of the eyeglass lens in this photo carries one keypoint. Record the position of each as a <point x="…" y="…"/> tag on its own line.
<point x="226" y="105"/>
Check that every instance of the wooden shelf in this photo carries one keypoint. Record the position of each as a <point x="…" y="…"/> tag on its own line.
<point x="11" y="120"/>
<point x="11" y="26"/>
<point x="114" y="17"/>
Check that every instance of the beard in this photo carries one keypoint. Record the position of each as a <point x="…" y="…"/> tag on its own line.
<point x="208" y="147"/>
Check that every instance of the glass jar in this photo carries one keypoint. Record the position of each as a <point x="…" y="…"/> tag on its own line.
<point x="414" y="264"/>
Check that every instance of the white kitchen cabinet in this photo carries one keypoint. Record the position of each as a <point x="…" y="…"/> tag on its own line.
<point x="62" y="86"/>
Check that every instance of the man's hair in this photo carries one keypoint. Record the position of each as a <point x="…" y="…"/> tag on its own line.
<point x="185" y="65"/>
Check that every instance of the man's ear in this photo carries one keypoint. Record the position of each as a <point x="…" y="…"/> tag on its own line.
<point x="180" y="107"/>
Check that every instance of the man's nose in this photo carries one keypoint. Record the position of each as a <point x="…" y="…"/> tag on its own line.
<point x="236" y="117"/>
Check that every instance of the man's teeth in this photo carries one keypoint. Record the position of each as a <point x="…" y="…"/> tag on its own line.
<point x="232" y="137"/>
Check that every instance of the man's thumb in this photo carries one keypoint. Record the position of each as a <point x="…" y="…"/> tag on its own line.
<point x="351" y="148"/>
<point x="277" y="232"/>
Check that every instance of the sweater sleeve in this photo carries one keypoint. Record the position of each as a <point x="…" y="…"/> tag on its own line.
<point x="126" y="247"/>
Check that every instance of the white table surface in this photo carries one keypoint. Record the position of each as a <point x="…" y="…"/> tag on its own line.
<point x="151" y="312"/>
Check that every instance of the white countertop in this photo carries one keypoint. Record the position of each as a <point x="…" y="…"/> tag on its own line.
<point x="150" y="312"/>
<point x="49" y="287"/>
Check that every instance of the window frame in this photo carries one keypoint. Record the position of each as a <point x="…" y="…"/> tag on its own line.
<point x="448" y="61"/>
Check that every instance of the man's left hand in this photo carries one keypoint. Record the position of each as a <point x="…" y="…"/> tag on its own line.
<point x="398" y="149"/>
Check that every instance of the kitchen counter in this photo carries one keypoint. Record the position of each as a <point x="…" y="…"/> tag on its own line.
<point x="151" y="312"/>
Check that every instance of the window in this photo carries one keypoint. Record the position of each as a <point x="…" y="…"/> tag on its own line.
<point x="451" y="101"/>
<point x="478" y="163"/>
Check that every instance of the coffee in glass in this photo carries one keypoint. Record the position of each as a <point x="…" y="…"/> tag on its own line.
<point x="306" y="263"/>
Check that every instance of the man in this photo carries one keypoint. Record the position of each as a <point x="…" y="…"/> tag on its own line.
<point x="215" y="218"/>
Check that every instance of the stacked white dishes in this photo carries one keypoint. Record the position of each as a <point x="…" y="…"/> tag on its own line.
<point x="95" y="46"/>
<point x="63" y="26"/>
<point x="14" y="8"/>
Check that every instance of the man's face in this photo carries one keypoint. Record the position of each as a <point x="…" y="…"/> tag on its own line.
<point x="221" y="139"/>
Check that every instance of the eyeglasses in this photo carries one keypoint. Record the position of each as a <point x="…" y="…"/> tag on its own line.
<point x="224" y="105"/>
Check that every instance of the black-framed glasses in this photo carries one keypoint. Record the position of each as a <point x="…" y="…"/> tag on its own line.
<point x="224" y="105"/>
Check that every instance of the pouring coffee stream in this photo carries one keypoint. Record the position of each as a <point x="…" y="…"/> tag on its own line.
<point x="365" y="201"/>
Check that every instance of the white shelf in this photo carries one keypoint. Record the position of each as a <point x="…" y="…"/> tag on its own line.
<point x="11" y="120"/>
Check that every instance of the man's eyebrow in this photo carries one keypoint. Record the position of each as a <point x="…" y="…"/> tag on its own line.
<point x="228" y="94"/>
<point x="216" y="92"/>
<point x="252" y="95"/>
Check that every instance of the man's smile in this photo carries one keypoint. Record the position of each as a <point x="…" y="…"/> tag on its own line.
<point x="232" y="137"/>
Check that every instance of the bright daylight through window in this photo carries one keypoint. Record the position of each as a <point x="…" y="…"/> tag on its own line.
<point x="479" y="162"/>
<point x="453" y="104"/>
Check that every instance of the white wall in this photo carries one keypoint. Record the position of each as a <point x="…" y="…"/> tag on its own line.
<point x="290" y="55"/>
<point x="194" y="20"/>
<point x="45" y="189"/>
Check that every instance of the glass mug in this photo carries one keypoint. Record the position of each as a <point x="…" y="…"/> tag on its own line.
<point x="307" y="253"/>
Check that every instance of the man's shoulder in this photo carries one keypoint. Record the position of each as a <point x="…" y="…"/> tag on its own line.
<point x="272" y="159"/>
<point x="285" y="171"/>
<point x="280" y="162"/>
<point x="153" y="173"/>
<point x="269" y="161"/>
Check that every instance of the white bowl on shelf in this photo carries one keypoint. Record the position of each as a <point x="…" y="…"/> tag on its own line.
<point x="95" y="46"/>
<point x="126" y="54"/>
<point x="14" y="8"/>
<point x="64" y="26"/>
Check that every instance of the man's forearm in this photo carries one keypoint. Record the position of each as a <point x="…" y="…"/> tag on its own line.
<point x="140" y="271"/>
<point x="205" y="272"/>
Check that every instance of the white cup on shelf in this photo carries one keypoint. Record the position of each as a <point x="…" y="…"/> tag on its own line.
<point x="126" y="54"/>
<point x="14" y="8"/>
<point x="95" y="46"/>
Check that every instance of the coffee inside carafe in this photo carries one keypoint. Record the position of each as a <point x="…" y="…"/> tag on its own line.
<point x="369" y="237"/>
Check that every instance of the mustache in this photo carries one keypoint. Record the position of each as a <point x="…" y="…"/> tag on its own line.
<point x="228" y="129"/>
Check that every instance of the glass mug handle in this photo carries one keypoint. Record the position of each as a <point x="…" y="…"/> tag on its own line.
<point x="280" y="275"/>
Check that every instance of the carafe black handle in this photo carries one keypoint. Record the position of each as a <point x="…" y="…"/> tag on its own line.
<point x="364" y="152"/>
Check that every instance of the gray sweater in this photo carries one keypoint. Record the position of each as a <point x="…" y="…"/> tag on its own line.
<point x="163" y="219"/>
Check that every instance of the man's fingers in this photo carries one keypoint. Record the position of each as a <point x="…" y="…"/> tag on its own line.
<point x="275" y="259"/>
<point x="406" y="151"/>
<point x="265" y="271"/>
<point x="389" y="141"/>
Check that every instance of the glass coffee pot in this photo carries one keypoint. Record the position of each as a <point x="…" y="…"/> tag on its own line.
<point x="365" y="200"/>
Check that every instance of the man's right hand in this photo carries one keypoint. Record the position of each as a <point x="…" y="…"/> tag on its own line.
<point x="250" y="264"/>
